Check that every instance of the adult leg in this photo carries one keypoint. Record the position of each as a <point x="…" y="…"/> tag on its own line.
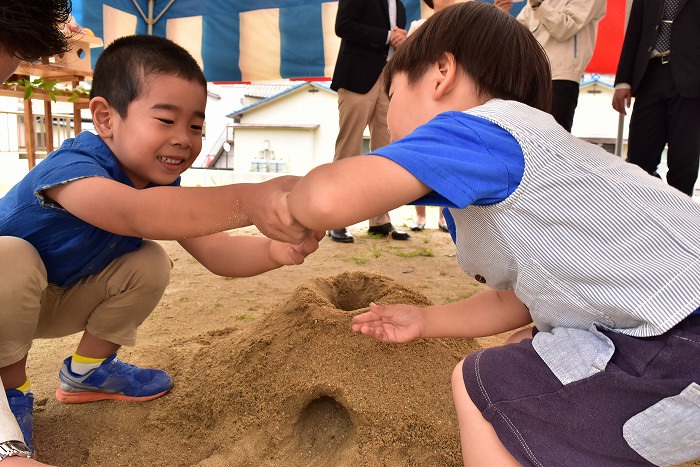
<point x="564" y="101"/>
<point x="353" y="113"/>
<point x="420" y="219"/>
<point x="648" y="128"/>
<point x="379" y="132"/>
<point x="480" y="443"/>
<point x="683" y="143"/>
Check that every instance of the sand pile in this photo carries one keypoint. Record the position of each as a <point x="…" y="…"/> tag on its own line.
<point x="296" y="388"/>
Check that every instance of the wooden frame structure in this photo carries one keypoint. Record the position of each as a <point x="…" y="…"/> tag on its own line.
<point x="71" y="67"/>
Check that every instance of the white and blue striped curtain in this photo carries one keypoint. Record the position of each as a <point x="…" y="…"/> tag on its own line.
<point x="233" y="40"/>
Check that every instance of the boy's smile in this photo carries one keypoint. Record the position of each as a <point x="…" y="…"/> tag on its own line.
<point x="161" y="135"/>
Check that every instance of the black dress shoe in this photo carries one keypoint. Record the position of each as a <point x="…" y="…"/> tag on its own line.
<point x="400" y="235"/>
<point x="417" y="227"/>
<point x="388" y="229"/>
<point x="341" y="235"/>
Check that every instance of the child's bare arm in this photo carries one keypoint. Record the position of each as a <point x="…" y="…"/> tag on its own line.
<point x="245" y="256"/>
<point x="175" y="213"/>
<point x="485" y="314"/>
<point x="351" y="190"/>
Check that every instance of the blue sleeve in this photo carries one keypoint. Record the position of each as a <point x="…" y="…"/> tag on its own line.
<point x="464" y="159"/>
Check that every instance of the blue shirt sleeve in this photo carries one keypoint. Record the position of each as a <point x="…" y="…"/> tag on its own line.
<point x="464" y="159"/>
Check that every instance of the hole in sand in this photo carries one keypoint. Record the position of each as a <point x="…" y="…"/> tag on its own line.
<point x="324" y="427"/>
<point x="354" y="291"/>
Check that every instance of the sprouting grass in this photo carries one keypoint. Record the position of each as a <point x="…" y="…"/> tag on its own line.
<point x="414" y="253"/>
<point x="245" y="317"/>
<point x="359" y="260"/>
<point x="375" y="249"/>
<point x="217" y="303"/>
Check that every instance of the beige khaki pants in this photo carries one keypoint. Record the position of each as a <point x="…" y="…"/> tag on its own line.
<point x="357" y="111"/>
<point x="111" y="305"/>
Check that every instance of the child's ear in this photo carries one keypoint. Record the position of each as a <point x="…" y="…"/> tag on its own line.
<point x="446" y="75"/>
<point x="102" y="116"/>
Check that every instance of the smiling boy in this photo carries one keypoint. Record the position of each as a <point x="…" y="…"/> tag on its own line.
<point x="73" y="228"/>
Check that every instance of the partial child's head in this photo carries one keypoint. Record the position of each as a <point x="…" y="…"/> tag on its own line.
<point x="30" y="30"/>
<point x="500" y="55"/>
<point x="122" y="69"/>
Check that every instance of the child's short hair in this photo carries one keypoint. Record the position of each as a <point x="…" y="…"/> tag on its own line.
<point x="498" y="53"/>
<point x="32" y="29"/>
<point x="121" y="69"/>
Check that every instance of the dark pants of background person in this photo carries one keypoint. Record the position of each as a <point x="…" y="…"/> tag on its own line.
<point x="564" y="101"/>
<point x="660" y="115"/>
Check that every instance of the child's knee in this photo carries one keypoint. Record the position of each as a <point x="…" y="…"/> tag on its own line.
<point x="458" y="378"/>
<point x="27" y="271"/>
<point x="146" y="269"/>
<point x="157" y="262"/>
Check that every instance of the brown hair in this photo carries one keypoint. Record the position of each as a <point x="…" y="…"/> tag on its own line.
<point x="498" y="53"/>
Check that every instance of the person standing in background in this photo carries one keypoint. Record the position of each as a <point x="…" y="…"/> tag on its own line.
<point x="370" y="30"/>
<point x="660" y="66"/>
<point x="567" y="31"/>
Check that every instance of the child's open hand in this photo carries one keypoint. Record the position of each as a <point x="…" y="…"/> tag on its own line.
<point x="390" y="323"/>
<point x="288" y="254"/>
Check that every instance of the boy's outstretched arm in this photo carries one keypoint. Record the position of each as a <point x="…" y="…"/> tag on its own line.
<point x="175" y="213"/>
<point x="351" y="190"/>
<point x="245" y="256"/>
<point x="485" y="314"/>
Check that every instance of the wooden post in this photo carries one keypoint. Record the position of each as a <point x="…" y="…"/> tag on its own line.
<point x="48" y="122"/>
<point x="29" y="133"/>
<point x="77" y="121"/>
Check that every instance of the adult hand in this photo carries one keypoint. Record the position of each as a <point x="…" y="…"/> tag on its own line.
<point x="270" y="211"/>
<point x="390" y="323"/>
<point x="621" y="100"/>
<point x="504" y="5"/>
<point x="397" y="37"/>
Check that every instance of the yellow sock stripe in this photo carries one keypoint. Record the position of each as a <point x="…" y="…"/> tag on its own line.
<point x="87" y="360"/>
<point x="24" y="387"/>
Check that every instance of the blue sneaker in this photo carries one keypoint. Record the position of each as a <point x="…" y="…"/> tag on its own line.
<point x="22" y="406"/>
<point x="112" y="380"/>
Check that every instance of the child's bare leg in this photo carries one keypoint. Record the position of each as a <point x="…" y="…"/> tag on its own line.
<point x="518" y="336"/>
<point x="13" y="376"/>
<point x="480" y="444"/>
<point x="94" y="347"/>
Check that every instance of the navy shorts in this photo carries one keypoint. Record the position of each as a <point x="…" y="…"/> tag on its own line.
<point x="643" y="409"/>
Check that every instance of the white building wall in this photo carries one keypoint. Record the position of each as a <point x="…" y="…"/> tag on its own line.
<point x="301" y="108"/>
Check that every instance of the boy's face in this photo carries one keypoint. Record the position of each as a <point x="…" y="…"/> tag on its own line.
<point x="409" y="106"/>
<point x="162" y="133"/>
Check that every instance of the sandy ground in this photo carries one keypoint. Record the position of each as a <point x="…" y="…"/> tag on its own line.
<point x="268" y="372"/>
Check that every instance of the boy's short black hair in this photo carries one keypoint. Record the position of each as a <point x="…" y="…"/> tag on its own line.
<point x="122" y="68"/>
<point x="498" y="53"/>
<point x="32" y="29"/>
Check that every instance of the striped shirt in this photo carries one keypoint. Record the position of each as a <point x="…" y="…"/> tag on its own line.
<point x="586" y="241"/>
